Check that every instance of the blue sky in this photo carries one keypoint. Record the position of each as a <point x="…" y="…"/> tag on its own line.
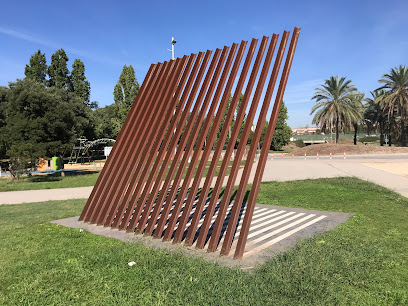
<point x="360" y="40"/>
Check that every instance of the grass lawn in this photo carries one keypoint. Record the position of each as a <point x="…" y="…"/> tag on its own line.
<point x="363" y="261"/>
<point x="71" y="179"/>
<point x="50" y="181"/>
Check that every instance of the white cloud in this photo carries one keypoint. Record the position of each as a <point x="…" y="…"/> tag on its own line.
<point x="301" y="92"/>
<point x="28" y="37"/>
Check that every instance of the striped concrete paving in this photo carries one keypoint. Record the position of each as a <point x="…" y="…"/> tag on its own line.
<point x="274" y="229"/>
<point x="269" y="226"/>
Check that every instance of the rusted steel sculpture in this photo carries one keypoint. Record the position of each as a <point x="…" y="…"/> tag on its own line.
<point x="151" y="181"/>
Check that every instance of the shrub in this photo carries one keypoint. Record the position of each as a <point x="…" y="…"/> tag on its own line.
<point x="299" y="143"/>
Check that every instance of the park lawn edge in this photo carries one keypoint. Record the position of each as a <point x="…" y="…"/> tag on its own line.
<point x="362" y="261"/>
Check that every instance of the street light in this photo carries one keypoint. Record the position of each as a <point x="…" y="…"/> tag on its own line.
<point x="173" y="42"/>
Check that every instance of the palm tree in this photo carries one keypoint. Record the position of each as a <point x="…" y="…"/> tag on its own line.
<point x="374" y="114"/>
<point x="334" y="105"/>
<point x="357" y="102"/>
<point x="396" y="96"/>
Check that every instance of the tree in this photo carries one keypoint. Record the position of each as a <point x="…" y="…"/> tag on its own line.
<point x="103" y="122"/>
<point x="3" y="105"/>
<point x="395" y="99"/>
<point x="357" y="102"/>
<point x="58" y="72"/>
<point x="374" y="115"/>
<point x="41" y="122"/>
<point x="124" y="94"/>
<point x="78" y="82"/>
<point x="333" y="104"/>
<point x="283" y="132"/>
<point x="37" y="70"/>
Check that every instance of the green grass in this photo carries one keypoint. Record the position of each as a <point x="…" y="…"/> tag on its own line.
<point x="363" y="262"/>
<point x="72" y="179"/>
<point x="50" y="181"/>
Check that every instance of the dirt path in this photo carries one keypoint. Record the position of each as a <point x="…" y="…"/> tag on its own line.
<point x="325" y="149"/>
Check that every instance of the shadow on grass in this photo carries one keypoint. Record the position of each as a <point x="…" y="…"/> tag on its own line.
<point x="54" y="177"/>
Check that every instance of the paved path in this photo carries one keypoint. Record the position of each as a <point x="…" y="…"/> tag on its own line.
<point x="29" y="196"/>
<point x="369" y="169"/>
<point x="276" y="170"/>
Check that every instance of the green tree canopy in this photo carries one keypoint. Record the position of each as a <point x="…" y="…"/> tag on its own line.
<point x="283" y="132"/>
<point x="374" y="116"/>
<point x="78" y="82"/>
<point x="395" y="99"/>
<point x="58" y="72"/>
<point x="42" y="122"/>
<point x="103" y="118"/>
<point x="357" y="102"/>
<point x="37" y="69"/>
<point x="3" y="105"/>
<point x="124" y="94"/>
<point x="333" y="104"/>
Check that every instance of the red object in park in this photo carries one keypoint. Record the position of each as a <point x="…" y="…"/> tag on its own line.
<point x="153" y="181"/>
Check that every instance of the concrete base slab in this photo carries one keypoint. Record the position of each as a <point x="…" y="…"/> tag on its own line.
<point x="274" y="229"/>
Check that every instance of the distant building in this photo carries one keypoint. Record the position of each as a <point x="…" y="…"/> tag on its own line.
<point x="305" y="131"/>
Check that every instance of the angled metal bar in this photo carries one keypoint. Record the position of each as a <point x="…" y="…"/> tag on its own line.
<point x="134" y="114"/>
<point x="225" y="201"/>
<point x="157" y="181"/>
<point x="153" y="140"/>
<point x="211" y="137"/>
<point x="180" y="152"/>
<point x="198" y="148"/>
<point x="135" y="156"/>
<point x="188" y="144"/>
<point x="211" y="171"/>
<point x="224" y="165"/>
<point x="126" y="217"/>
<point x="100" y="201"/>
<point x="137" y="104"/>
<point x="236" y="209"/>
<point x="264" y="152"/>
<point x="138" y="126"/>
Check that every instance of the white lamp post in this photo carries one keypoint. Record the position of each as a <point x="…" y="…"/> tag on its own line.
<point x="173" y="42"/>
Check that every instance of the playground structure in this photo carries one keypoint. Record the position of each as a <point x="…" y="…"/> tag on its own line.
<point x="151" y="181"/>
<point x="82" y="153"/>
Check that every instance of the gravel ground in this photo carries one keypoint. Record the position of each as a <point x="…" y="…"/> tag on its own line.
<point x="338" y="149"/>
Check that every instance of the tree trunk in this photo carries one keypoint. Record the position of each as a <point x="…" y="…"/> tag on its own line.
<point x="62" y="167"/>
<point x="381" y="133"/>
<point x="403" y="142"/>
<point x="337" y="129"/>
<point x="355" y="133"/>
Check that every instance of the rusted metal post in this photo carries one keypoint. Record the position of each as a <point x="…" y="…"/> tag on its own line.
<point x="213" y="165"/>
<point x="252" y="150"/>
<point x="163" y="153"/>
<point x="137" y="104"/>
<point x="120" y="144"/>
<point x="135" y="153"/>
<point x="152" y="145"/>
<point x="158" y="183"/>
<point x="267" y="142"/>
<point x="188" y="147"/>
<point x="198" y="148"/>
<point x="241" y="147"/>
<point x="135" y="142"/>
<point x="235" y="131"/>
<point x="207" y="150"/>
